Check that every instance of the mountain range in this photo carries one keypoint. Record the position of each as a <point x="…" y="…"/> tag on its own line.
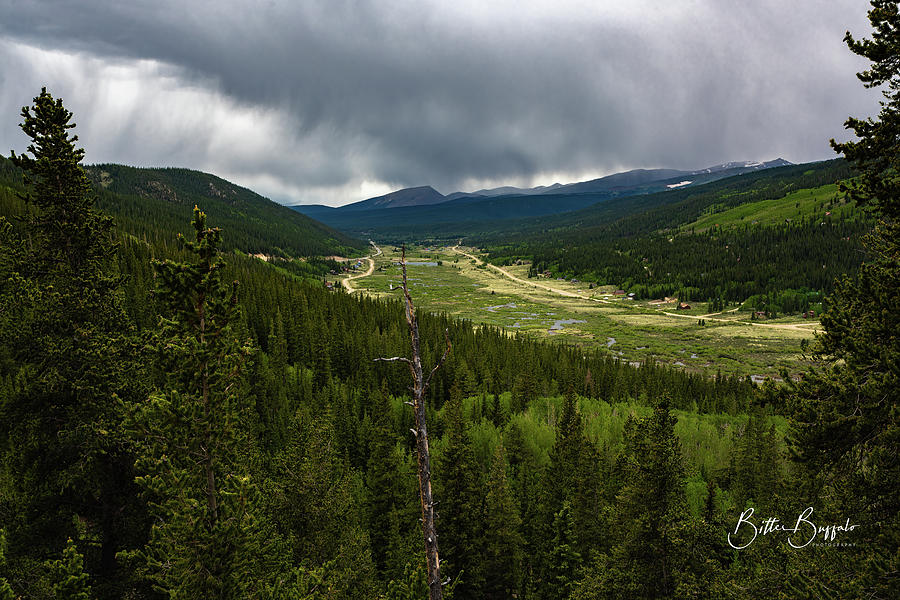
<point x="636" y="181"/>
<point x="413" y="209"/>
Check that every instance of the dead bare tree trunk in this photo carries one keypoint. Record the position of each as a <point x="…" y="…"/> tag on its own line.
<point x="420" y="386"/>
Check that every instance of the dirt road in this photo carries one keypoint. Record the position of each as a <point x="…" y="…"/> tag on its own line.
<point x="805" y="327"/>
<point x="509" y="275"/>
<point x="371" y="258"/>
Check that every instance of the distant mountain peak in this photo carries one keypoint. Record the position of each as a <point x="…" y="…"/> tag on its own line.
<point x="753" y="165"/>
<point x="415" y="196"/>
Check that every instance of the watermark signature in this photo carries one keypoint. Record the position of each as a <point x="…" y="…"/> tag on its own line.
<point x="803" y="533"/>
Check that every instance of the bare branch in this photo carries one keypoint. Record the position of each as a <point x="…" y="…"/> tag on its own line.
<point x="440" y="362"/>
<point x="392" y="359"/>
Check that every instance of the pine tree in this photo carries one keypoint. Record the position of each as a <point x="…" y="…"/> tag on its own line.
<point x="412" y="586"/>
<point x="70" y="582"/>
<point x="381" y="475"/>
<point x="876" y="153"/>
<point x="503" y="539"/>
<point x="564" y="456"/>
<point x="272" y="400"/>
<point x="68" y="231"/>
<point x="846" y="423"/>
<point x="461" y="505"/>
<point x="523" y="392"/>
<point x="564" y="559"/>
<point x="195" y="448"/>
<point x="496" y="410"/>
<point x="70" y="353"/>
<point x="650" y="509"/>
<point x="526" y="486"/>
<point x="313" y="502"/>
<point x="588" y="502"/>
<point x="557" y="488"/>
<point x="756" y="463"/>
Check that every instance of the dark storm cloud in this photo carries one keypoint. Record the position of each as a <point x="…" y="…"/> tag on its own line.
<point x="310" y="100"/>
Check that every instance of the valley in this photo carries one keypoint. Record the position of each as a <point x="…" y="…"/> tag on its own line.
<point x="457" y="281"/>
<point x="336" y="378"/>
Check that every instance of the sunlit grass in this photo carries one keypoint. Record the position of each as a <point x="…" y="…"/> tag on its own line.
<point x="631" y="331"/>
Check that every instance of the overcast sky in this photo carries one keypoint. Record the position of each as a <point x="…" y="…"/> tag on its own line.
<point x="334" y="101"/>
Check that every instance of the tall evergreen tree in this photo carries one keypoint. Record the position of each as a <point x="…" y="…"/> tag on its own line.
<point x="564" y="560"/>
<point x="272" y="405"/>
<point x="650" y="509"/>
<point x="846" y="425"/>
<point x="557" y="488"/>
<point x="69" y="354"/>
<point x="68" y="232"/>
<point x="503" y="539"/>
<point x="526" y="486"/>
<point x="876" y="153"/>
<point x="755" y="463"/>
<point x="461" y="506"/>
<point x="196" y="454"/>
<point x="564" y="456"/>
<point x="313" y="503"/>
<point x="381" y="475"/>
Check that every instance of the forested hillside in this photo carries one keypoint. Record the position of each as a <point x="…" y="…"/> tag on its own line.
<point x="659" y="252"/>
<point x="654" y="212"/>
<point x="147" y="202"/>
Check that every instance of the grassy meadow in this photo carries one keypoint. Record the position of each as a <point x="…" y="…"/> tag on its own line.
<point x="442" y="279"/>
<point x="821" y="203"/>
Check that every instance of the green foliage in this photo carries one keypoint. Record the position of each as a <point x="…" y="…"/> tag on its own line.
<point x="391" y="509"/>
<point x="649" y="507"/>
<point x="6" y="592"/>
<point x="380" y="479"/>
<point x="729" y="264"/>
<point x="68" y="227"/>
<point x="502" y="554"/>
<point x="846" y="427"/>
<point x="647" y="245"/>
<point x="821" y="204"/>
<point x="658" y="550"/>
<point x="755" y="464"/>
<point x="70" y="582"/>
<point x="643" y="215"/>
<point x="412" y="586"/>
<point x="564" y="558"/>
<point x="313" y="500"/>
<point x="193" y="450"/>
<point x="876" y="153"/>
<point x="67" y="353"/>
<point x="846" y="424"/>
<point x="459" y="489"/>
